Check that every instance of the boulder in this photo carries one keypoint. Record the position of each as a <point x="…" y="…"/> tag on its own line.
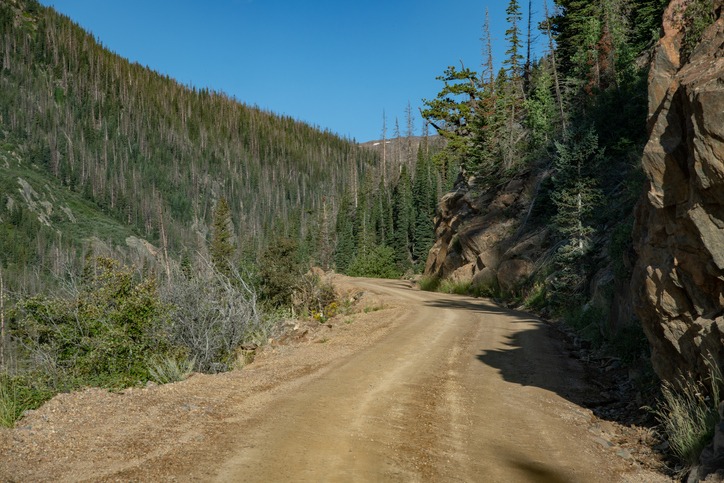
<point x="463" y="274"/>
<point x="486" y="278"/>
<point x="678" y="279"/>
<point x="512" y="273"/>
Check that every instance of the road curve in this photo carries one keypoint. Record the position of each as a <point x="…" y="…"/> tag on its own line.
<point x="459" y="390"/>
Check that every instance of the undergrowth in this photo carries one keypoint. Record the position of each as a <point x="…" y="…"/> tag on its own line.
<point x="688" y="413"/>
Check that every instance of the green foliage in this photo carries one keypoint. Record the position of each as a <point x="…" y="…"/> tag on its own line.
<point x="126" y="144"/>
<point x="315" y="296"/>
<point x="222" y="246"/>
<point x="452" y="111"/>
<point x="688" y="414"/>
<point x="514" y="60"/>
<point x="542" y="114"/>
<point x="403" y="211"/>
<point x="699" y="14"/>
<point x="279" y="272"/>
<point x="536" y="298"/>
<point x="458" y="287"/>
<point x="378" y="261"/>
<point x="167" y="369"/>
<point x="22" y="392"/>
<point x="424" y="201"/>
<point x="10" y="407"/>
<point x="101" y="332"/>
<point x="429" y="283"/>
<point x="576" y="196"/>
<point x="345" y="248"/>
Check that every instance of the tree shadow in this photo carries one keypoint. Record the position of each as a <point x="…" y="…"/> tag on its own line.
<point x="539" y="355"/>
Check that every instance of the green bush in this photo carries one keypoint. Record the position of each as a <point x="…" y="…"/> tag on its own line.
<point x="455" y="287"/>
<point x="19" y="393"/>
<point x="698" y="16"/>
<point x="279" y="272"/>
<point x="536" y="298"/>
<point x="429" y="284"/>
<point x="100" y="333"/>
<point x="378" y="261"/>
<point x="10" y="406"/>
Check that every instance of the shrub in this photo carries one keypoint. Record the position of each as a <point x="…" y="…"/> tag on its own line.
<point x="99" y="332"/>
<point x="10" y="407"/>
<point x="429" y="284"/>
<point x="699" y="15"/>
<point x="688" y="415"/>
<point x="279" y="272"/>
<point x="19" y="393"/>
<point x="313" y="295"/>
<point x="211" y="315"/>
<point x="164" y="370"/>
<point x="377" y="261"/>
<point x="536" y="297"/>
<point x="454" y="287"/>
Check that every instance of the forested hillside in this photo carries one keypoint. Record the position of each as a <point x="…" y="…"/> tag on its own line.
<point x="550" y="149"/>
<point x="146" y="153"/>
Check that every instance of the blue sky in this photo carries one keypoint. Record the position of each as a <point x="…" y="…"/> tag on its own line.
<point x="336" y="65"/>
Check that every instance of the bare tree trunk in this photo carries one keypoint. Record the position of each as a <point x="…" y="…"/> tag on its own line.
<point x="488" y="51"/>
<point x="526" y="74"/>
<point x="164" y="243"/>
<point x="384" y="148"/>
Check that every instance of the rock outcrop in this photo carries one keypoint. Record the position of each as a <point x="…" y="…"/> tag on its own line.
<point x="479" y="237"/>
<point x="678" y="280"/>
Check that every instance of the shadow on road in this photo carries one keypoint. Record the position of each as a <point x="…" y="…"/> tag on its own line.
<point x="535" y="471"/>
<point x="537" y="355"/>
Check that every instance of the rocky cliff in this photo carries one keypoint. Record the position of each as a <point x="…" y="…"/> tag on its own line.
<point x="482" y="237"/>
<point x="678" y="280"/>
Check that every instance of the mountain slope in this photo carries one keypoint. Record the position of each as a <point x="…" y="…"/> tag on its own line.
<point x="149" y="151"/>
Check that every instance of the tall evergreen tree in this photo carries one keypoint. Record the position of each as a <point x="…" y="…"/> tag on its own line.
<point x="423" y="201"/>
<point x="451" y="114"/>
<point x="403" y="215"/>
<point x="345" y="248"/>
<point x="514" y="59"/>
<point x="222" y="246"/>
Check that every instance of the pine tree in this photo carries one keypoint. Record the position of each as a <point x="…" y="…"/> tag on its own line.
<point x="514" y="60"/>
<point x="423" y="201"/>
<point x="511" y="95"/>
<point x="345" y="248"/>
<point x="541" y="113"/>
<point x="222" y="246"/>
<point x="403" y="220"/>
<point x="451" y="113"/>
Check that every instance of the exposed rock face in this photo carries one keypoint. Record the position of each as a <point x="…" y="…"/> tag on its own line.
<point x="478" y="239"/>
<point x="678" y="281"/>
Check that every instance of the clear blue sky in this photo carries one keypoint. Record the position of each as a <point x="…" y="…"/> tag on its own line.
<point x="336" y="65"/>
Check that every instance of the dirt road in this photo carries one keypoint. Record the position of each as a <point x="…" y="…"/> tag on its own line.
<point x="431" y="387"/>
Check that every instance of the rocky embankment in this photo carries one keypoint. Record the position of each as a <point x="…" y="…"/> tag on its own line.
<point x="481" y="237"/>
<point x="678" y="279"/>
